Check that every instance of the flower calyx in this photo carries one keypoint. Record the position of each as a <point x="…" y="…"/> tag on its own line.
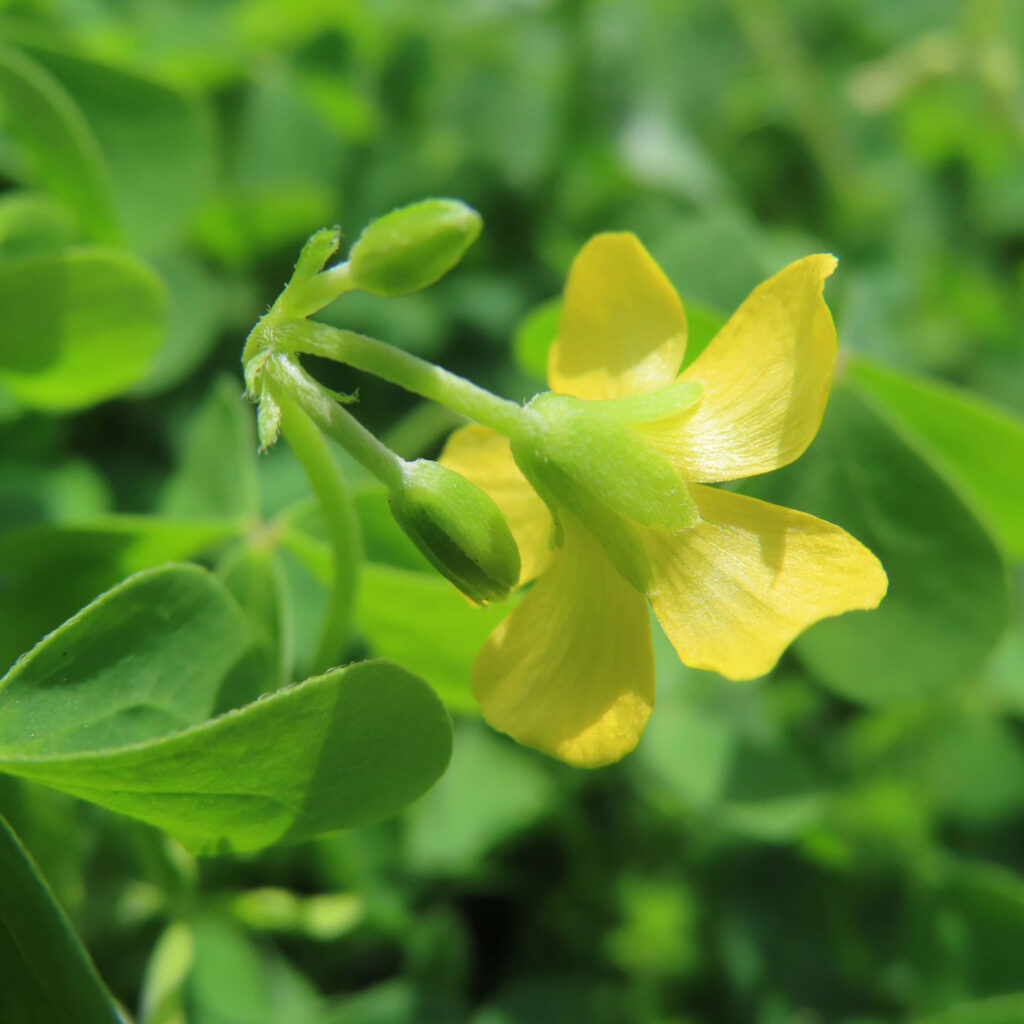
<point x="584" y="459"/>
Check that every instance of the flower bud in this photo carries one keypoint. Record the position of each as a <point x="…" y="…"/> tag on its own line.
<point x="412" y="247"/>
<point x="459" y="529"/>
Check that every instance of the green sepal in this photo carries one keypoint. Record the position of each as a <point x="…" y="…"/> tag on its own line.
<point x="319" y="248"/>
<point x="311" y="288"/>
<point x="560" y="491"/>
<point x="458" y="528"/>
<point x="268" y="420"/>
<point x="412" y="247"/>
<point x="649" y="406"/>
<point x="619" y="468"/>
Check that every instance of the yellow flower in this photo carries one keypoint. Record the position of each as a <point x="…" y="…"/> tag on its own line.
<point x="570" y="671"/>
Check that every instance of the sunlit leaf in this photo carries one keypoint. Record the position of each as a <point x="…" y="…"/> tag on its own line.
<point x="80" y="326"/>
<point x="103" y="709"/>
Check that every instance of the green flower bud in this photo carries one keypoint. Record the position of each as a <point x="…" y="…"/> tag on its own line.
<point x="459" y="529"/>
<point x="412" y="247"/>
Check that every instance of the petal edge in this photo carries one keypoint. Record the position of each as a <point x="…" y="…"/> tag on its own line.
<point x="622" y="329"/>
<point x="766" y="376"/>
<point x="735" y="591"/>
<point x="571" y="670"/>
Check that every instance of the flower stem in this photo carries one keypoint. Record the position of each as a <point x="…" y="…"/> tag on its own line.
<point x="335" y="497"/>
<point x="320" y="406"/>
<point x="405" y="370"/>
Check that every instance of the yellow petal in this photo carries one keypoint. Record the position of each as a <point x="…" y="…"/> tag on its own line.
<point x="733" y="592"/>
<point x="622" y="328"/>
<point x="484" y="457"/>
<point x="571" y="671"/>
<point x="766" y="378"/>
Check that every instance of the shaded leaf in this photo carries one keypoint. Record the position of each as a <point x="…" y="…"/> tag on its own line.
<point x="948" y="601"/>
<point x="216" y="473"/>
<point x="980" y="446"/>
<point x="421" y="621"/>
<point x="47" y="977"/>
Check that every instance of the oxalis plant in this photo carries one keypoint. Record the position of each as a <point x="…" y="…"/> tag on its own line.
<point x="596" y="489"/>
<point x="595" y="496"/>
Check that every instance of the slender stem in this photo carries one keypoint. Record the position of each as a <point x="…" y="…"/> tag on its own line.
<point x="335" y="497"/>
<point x="320" y="406"/>
<point x="405" y="370"/>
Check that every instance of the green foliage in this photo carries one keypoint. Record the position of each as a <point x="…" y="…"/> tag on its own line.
<point x="981" y="447"/>
<point x="943" y="614"/>
<point x="837" y="842"/>
<point x="115" y="707"/>
<point x="155" y="141"/>
<point x="80" y="326"/>
<point x="65" y="155"/>
<point x="439" y="647"/>
<point x="37" y="945"/>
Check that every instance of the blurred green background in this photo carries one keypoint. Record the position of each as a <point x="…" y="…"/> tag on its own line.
<point x="840" y="842"/>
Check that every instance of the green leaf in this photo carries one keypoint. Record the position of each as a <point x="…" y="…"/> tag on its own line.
<point x="87" y="559"/>
<point x="534" y="337"/>
<point x="47" y="977"/>
<point x="948" y="601"/>
<point x="256" y="578"/>
<point x="715" y="751"/>
<point x="80" y="326"/>
<point x="195" y="310"/>
<point x="419" y="620"/>
<point x="146" y="659"/>
<point x="216" y="473"/>
<point x="65" y="157"/>
<point x="63" y="492"/>
<point x="999" y="1010"/>
<point x="166" y="974"/>
<point x="492" y="790"/>
<point x="32" y="223"/>
<point x="963" y="936"/>
<point x="980" y="447"/>
<point x="157" y="141"/>
<point x="343" y="749"/>
<point x="79" y="714"/>
<point x="236" y="981"/>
